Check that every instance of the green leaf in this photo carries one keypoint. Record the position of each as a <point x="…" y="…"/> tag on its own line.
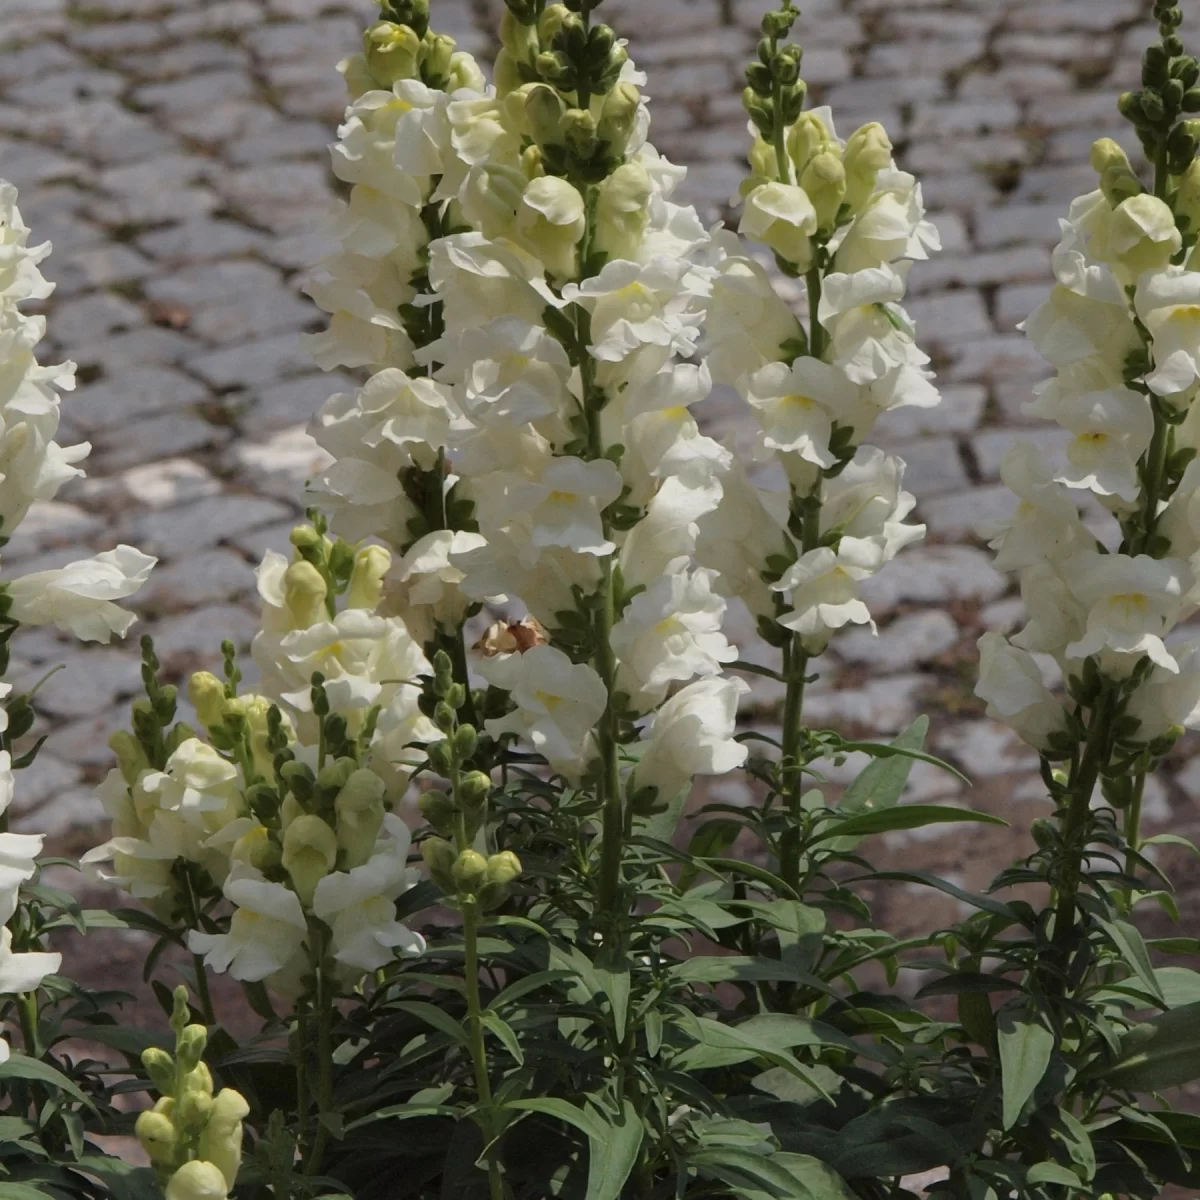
<point x="21" y="1066"/>
<point x="720" y="1045"/>
<point x="769" y="1177"/>
<point x="432" y="1015"/>
<point x="877" y="750"/>
<point x="1172" y="839"/>
<point x="25" y="1191"/>
<point x="1051" y="1172"/>
<point x="562" y="1110"/>
<point x="613" y="974"/>
<point x="906" y="816"/>
<point x="504" y="1032"/>
<point x="522" y="987"/>
<point x="1163" y="1052"/>
<point x="1025" y="1048"/>
<point x="883" y="781"/>
<point x="611" y="1157"/>
<point x="1178" y="985"/>
<point x="984" y="903"/>
<point x="1129" y="944"/>
<point x="736" y="968"/>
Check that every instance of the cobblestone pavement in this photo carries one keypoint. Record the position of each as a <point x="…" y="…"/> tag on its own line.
<point x="175" y="152"/>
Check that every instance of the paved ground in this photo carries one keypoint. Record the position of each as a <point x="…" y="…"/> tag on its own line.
<point x="174" y="150"/>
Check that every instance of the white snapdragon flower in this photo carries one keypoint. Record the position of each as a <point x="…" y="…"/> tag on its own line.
<point x="1131" y="603"/>
<point x="1139" y="235"/>
<point x="18" y="854"/>
<point x="823" y="588"/>
<point x="692" y="734"/>
<point x="424" y="585"/>
<point x="670" y="528"/>
<point x="797" y="406"/>
<point x="266" y="932"/>
<point x="564" y="505"/>
<point x="363" y="657"/>
<point x="20" y="278"/>
<point x="1168" y="303"/>
<point x="749" y="324"/>
<point x="359" y="905"/>
<point x="1056" y="616"/>
<point x="401" y="732"/>
<point x="1069" y="327"/>
<point x="891" y="226"/>
<point x="79" y="597"/>
<point x="551" y="222"/>
<point x="670" y="633"/>
<point x="781" y="216"/>
<point x="870" y="334"/>
<point x="513" y="372"/>
<point x="23" y="971"/>
<point x="866" y="500"/>
<point x="1112" y="430"/>
<point x="1045" y="526"/>
<point x="1179" y="521"/>
<point x="1168" y="701"/>
<point x="1011" y="685"/>
<point x="558" y="704"/>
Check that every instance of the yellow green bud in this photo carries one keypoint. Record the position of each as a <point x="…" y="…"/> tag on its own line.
<point x="824" y="179"/>
<point x="622" y="210"/>
<point x="160" y="1066"/>
<point x="257" y="848"/>
<point x="437" y="52"/>
<point x="221" y="1142"/>
<point x="392" y="52"/>
<point x="309" y="853"/>
<point x="371" y="564"/>
<point x="545" y="110"/>
<point x="198" y="1180"/>
<point x="157" y="1135"/>
<point x="193" y="1109"/>
<point x="207" y="694"/>
<point x="503" y="867"/>
<point x="131" y="757"/>
<point x="360" y="810"/>
<point x="470" y="871"/>
<point x="579" y="131"/>
<point x="1118" y="180"/>
<point x="520" y="41"/>
<point x="868" y="152"/>
<point x="618" y="117"/>
<point x="551" y="21"/>
<point x="304" y="594"/>
<point x="475" y="786"/>
<point x="807" y="137"/>
<point x="189" y="1049"/>
<point x="440" y="856"/>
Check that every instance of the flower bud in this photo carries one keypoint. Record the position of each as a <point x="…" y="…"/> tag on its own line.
<point x="437" y="51"/>
<point x="160" y="1066"/>
<point x="622" y="211"/>
<point x="221" y="1141"/>
<point x="618" y="118"/>
<point x="551" y="21"/>
<point x="198" y="1180"/>
<point x="807" y="137"/>
<point x="440" y="857"/>
<point x="466" y="741"/>
<point x="503" y="867"/>
<point x="1186" y="201"/>
<point x="438" y="809"/>
<point x="371" y="564"/>
<point x="1142" y="235"/>
<point x="545" y="110"/>
<point x="520" y="40"/>
<point x="157" y="1135"/>
<point x="309" y="853"/>
<point x="824" y="179"/>
<point x="189" y="1048"/>
<point x="868" y="152"/>
<point x="257" y="848"/>
<point x="360" y="810"/>
<point x="193" y="1109"/>
<point x="475" y="786"/>
<point x="550" y="222"/>
<point x="131" y="757"/>
<point x="579" y="132"/>
<point x="304" y="593"/>
<point x="392" y="52"/>
<point x="470" y="871"/>
<point x="207" y="694"/>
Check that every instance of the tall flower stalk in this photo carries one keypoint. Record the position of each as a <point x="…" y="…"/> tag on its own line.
<point x="841" y="217"/>
<point x="1117" y="328"/>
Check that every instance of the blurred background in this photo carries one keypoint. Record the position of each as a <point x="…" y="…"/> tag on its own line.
<point x="175" y="153"/>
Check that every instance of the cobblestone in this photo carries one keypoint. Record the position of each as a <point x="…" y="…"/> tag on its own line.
<point x="179" y="163"/>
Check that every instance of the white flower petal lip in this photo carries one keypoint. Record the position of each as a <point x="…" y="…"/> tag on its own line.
<point x="23" y="972"/>
<point x="79" y="596"/>
<point x="1168" y="303"/>
<point x="1011" y="685"/>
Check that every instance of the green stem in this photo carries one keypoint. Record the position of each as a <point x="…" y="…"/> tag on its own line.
<point x="1133" y="830"/>
<point x="483" y="1084"/>
<point x="1075" y="824"/>
<point x="325" y="995"/>
<point x="614" y="805"/>
<point x="27" y="1010"/>
<point x="202" y="992"/>
<point x="302" y="1098"/>
<point x="816" y="333"/>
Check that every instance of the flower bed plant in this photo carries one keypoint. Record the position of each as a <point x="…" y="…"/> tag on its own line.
<point x="457" y="848"/>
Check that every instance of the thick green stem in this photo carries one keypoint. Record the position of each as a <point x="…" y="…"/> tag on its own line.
<point x="1075" y="823"/>
<point x="27" y="1011"/>
<point x="614" y="805"/>
<point x="202" y="992"/>
<point x="1133" y="830"/>
<point x="325" y="1011"/>
<point x="816" y="333"/>
<point x="795" y="664"/>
